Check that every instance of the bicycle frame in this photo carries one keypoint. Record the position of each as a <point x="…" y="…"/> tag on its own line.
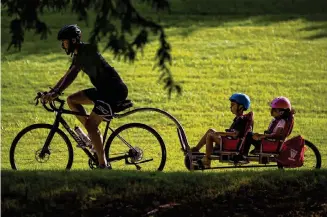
<point x="59" y="120"/>
<point x="180" y="131"/>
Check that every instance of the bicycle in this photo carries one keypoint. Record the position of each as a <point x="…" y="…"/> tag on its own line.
<point x="118" y="140"/>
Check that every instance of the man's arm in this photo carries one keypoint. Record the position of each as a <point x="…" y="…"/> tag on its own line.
<point x="60" y="81"/>
<point x="63" y="83"/>
<point x="67" y="79"/>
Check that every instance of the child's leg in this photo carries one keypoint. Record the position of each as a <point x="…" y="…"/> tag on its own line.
<point x="202" y="141"/>
<point x="247" y="144"/>
<point x="256" y="144"/>
<point x="211" y="138"/>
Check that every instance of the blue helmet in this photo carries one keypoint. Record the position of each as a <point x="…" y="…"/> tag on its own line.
<point x="241" y="99"/>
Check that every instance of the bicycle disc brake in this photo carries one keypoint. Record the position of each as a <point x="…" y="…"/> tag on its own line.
<point x="42" y="156"/>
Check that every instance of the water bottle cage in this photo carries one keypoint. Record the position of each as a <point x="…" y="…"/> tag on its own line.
<point x="84" y="143"/>
<point x="81" y="144"/>
<point x="84" y="140"/>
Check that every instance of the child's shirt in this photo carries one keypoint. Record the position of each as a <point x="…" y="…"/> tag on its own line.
<point x="239" y="124"/>
<point x="280" y="124"/>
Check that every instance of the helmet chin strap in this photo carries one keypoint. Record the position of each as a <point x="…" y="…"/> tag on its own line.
<point x="71" y="47"/>
<point x="240" y="108"/>
<point x="67" y="51"/>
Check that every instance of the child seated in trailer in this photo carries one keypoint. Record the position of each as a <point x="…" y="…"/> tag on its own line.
<point x="239" y="103"/>
<point x="279" y="128"/>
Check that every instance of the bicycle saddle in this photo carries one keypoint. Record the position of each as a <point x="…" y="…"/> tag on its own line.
<point x="120" y="106"/>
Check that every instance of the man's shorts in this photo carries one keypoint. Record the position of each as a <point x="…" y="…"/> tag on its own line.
<point x="105" y="100"/>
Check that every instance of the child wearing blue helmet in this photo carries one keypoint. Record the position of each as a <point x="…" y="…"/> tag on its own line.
<point x="239" y="102"/>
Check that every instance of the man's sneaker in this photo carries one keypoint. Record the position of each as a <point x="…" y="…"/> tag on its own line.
<point x="104" y="166"/>
<point x="240" y="159"/>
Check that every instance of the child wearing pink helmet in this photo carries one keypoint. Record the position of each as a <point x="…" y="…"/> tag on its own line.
<point x="281" y="110"/>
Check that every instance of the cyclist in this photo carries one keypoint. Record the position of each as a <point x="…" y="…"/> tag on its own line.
<point x="108" y="90"/>
<point x="281" y="110"/>
<point x="239" y="102"/>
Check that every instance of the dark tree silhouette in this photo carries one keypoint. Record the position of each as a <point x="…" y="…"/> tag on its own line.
<point x="25" y="13"/>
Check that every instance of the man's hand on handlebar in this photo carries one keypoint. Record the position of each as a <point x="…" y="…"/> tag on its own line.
<point x="49" y="97"/>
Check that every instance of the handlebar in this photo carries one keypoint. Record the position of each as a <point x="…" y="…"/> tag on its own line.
<point x="52" y="104"/>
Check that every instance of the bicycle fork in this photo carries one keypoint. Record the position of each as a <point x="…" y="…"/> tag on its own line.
<point x="45" y="148"/>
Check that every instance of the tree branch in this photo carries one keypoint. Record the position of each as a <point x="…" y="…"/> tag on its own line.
<point x="107" y="12"/>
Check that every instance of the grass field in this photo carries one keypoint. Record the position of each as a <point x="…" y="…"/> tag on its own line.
<point x="265" y="56"/>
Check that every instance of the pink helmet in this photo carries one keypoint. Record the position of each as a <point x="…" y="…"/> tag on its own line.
<point x="281" y="103"/>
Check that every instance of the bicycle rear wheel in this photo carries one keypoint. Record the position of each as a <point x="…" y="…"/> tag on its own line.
<point x="26" y="149"/>
<point x="137" y="145"/>
<point x="312" y="157"/>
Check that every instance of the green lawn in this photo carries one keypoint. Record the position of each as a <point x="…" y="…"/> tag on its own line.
<point x="213" y="56"/>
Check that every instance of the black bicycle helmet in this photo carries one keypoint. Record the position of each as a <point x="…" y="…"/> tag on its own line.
<point x="70" y="32"/>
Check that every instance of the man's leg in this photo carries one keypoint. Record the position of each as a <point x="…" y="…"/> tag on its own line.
<point x="92" y="126"/>
<point x="101" y="98"/>
<point x="75" y="102"/>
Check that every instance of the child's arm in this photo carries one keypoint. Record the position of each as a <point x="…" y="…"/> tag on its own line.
<point x="276" y="135"/>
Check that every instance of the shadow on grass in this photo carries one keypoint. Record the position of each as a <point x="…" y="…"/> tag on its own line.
<point x="118" y="193"/>
<point x="321" y="28"/>
<point x="194" y="23"/>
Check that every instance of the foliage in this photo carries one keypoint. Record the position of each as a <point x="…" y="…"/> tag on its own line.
<point x="115" y="20"/>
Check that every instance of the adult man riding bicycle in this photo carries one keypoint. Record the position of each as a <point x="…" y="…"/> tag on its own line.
<point x="109" y="88"/>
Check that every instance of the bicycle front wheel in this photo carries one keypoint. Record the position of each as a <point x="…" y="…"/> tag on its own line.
<point x="137" y="145"/>
<point x="28" y="150"/>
